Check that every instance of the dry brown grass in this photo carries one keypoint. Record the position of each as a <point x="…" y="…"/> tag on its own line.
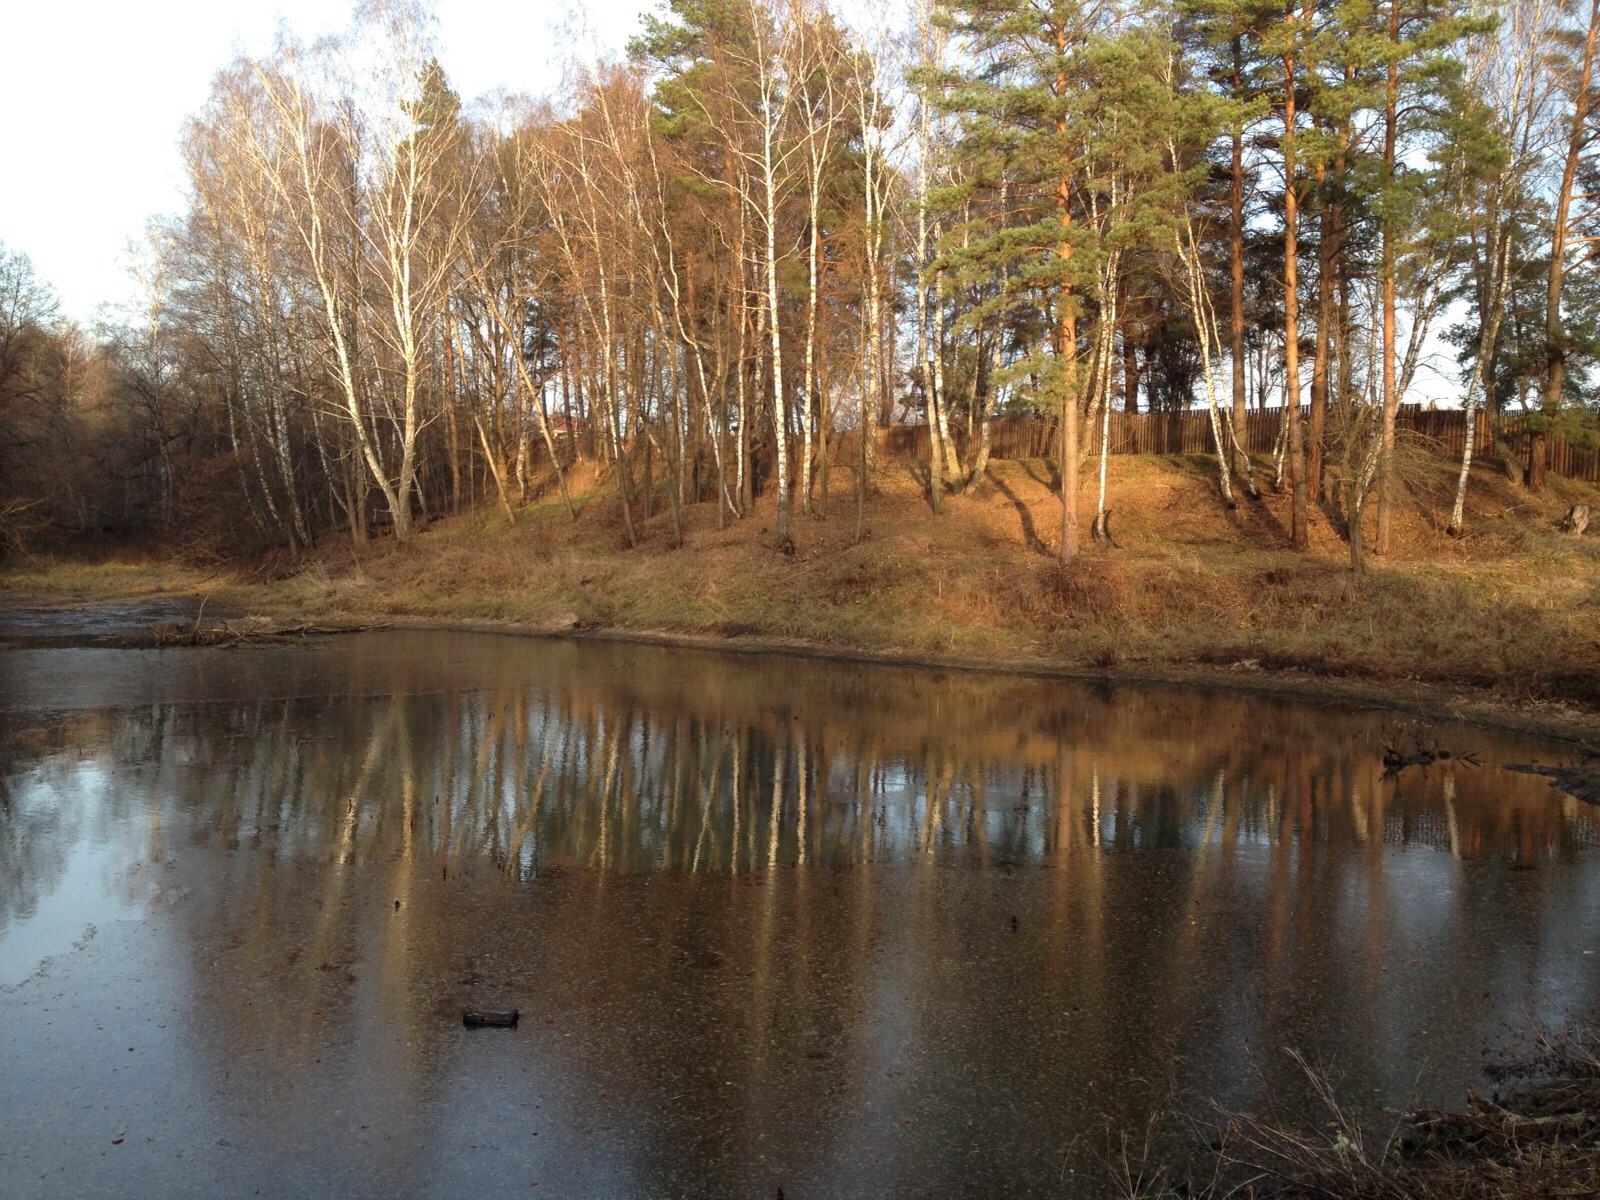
<point x="64" y="581"/>
<point x="1540" y="1139"/>
<point x="1514" y="606"/>
<point x="1538" y="1136"/>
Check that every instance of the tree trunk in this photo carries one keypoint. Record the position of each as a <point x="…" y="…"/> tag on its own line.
<point x="924" y="358"/>
<point x="1326" y="251"/>
<point x="1391" y="396"/>
<point x="1555" y="333"/>
<point x="941" y="401"/>
<point x="1236" y="270"/>
<point x="1482" y="370"/>
<point x="1130" y="372"/>
<point x="497" y="469"/>
<point x="808" y="368"/>
<point x="1067" y="347"/>
<point x="1298" y="537"/>
<point x="452" y="399"/>
<point x="1067" y="334"/>
<point x="979" y="407"/>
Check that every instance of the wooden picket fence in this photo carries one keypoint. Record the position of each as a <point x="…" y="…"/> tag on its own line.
<point x="1442" y="431"/>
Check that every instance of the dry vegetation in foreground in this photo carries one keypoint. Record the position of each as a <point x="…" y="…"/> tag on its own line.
<point x="1513" y="607"/>
<point x="1541" y="1138"/>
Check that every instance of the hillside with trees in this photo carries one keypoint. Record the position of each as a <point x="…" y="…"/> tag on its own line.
<point x="783" y="273"/>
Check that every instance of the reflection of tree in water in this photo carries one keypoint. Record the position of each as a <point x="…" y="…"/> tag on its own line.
<point x="606" y="756"/>
<point x="52" y="797"/>
<point x="570" y="776"/>
<point x="1029" y="904"/>
<point x="662" y="774"/>
<point x="36" y="836"/>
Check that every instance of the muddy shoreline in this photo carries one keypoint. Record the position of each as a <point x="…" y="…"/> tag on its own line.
<point x="1416" y="699"/>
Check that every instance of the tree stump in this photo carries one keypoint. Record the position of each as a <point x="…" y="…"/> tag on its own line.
<point x="1576" y="520"/>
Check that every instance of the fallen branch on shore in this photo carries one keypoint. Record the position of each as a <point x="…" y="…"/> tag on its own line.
<point x="225" y="634"/>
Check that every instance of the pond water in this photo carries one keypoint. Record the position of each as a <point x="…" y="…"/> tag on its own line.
<point x="769" y="922"/>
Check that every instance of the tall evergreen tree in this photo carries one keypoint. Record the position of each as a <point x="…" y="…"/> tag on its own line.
<point x="1020" y="104"/>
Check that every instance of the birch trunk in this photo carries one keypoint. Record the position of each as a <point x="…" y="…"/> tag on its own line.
<point x="1484" y="357"/>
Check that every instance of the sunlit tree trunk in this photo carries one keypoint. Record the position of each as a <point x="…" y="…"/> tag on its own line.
<point x="1388" y="234"/>
<point x="1236" y="271"/>
<point x="1298" y="534"/>
<point x="1066" y="348"/>
<point x="1555" y="332"/>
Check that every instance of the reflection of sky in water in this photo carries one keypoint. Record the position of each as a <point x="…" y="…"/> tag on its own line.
<point x="768" y="921"/>
<point x="79" y="870"/>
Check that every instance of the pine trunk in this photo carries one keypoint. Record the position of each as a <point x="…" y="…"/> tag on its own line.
<point x="1555" y="334"/>
<point x="1298" y="538"/>
<point x="1391" y="397"/>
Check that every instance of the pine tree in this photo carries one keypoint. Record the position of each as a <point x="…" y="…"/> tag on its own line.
<point x="1022" y="132"/>
<point x="1418" y="51"/>
<point x="1221" y="39"/>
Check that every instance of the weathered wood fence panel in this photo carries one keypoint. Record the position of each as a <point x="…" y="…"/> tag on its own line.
<point x="1440" y="430"/>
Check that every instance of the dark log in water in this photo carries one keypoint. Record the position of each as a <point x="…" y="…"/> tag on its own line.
<point x="489" y="1018"/>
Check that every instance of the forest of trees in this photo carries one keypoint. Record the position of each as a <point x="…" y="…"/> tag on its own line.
<point x="708" y="270"/>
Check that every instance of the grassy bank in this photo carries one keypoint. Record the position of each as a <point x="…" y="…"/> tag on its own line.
<point x="1511" y="611"/>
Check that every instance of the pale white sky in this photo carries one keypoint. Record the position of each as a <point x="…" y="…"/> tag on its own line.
<point x="94" y="95"/>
